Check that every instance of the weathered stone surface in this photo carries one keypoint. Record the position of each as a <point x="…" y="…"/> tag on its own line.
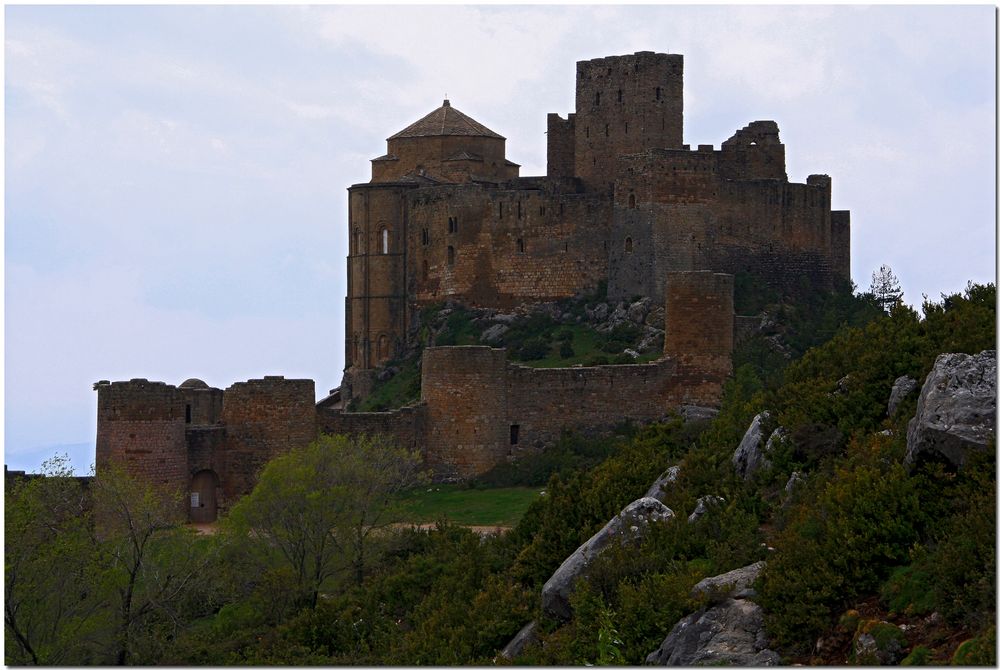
<point x="525" y="637"/>
<point x="702" y="506"/>
<point x="638" y="310"/>
<point x="494" y="333"/>
<point x="775" y="439"/>
<point x="879" y="643"/>
<point x="901" y="388"/>
<point x="733" y="584"/>
<point x="731" y="633"/>
<point x="956" y="411"/>
<point x="794" y="481"/>
<point x="696" y="413"/>
<point x="749" y="456"/>
<point x="629" y="526"/>
<point x="658" y="489"/>
<point x="655" y="318"/>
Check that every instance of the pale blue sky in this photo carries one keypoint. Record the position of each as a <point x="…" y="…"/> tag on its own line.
<point x="175" y="176"/>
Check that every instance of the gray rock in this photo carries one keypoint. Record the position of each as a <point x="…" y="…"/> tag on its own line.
<point x="697" y="413"/>
<point x="505" y="318"/>
<point x="651" y="341"/>
<point x="620" y="315"/>
<point x="629" y="526"/>
<point x="734" y="584"/>
<point x="956" y="411"/>
<point x="494" y="333"/>
<point x="638" y="310"/>
<point x="658" y="490"/>
<point x="749" y="456"/>
<point x="794" y="481"/>
<point x="599" y="312"/>
<point x="775" y="439"/>
<point x="525" y="637"/>
<point x="631" y="352"/>
<point x="901" y="388"/>
<point x="655" y="318"/>
<point x="387" y="373"/>
<point x="731" y="633"/>
<point x="702" y="506"/>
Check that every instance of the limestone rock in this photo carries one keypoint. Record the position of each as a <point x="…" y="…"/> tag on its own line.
<point x="879" y="643"/>
<point x="956" y="411"/>
<point x="658" y="490"/>
<point x="794" y="481"/>
<point x="734" y="584"/>
<point x="629" y="526"/>
<point x="631" y="352"/>
<point x="655" y="318"/>
<point x="637" y="311"/>
<point x="731" y="633"/>
<point x="749" y="456"/>
<point x="599" y="312"/>
<point x="702" y="506"/>
<point x="494" y="333"/>
<point x="901" y="388"/>
<point x="525" y="637"/>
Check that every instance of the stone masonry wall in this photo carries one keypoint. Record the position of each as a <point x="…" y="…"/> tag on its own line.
<point x="405" y="425"/>
<point x="264" y="418"/>
<point x="561" y="148"/>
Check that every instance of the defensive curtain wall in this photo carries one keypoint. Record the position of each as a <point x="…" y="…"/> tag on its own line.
<point x="477" y="409"/>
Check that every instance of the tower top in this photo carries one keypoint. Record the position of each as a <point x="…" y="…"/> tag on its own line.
<point x="446" y="120"/>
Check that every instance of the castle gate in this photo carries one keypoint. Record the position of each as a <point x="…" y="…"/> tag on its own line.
<point x="203" y="503"/>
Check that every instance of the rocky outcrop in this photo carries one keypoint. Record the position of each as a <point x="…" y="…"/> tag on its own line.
<point x="658" y="490"/>
<point x="901" y="389"/>
<point x="525" y="637"/>
<point x="794" y="480"/>
<point x="697" y="413"/>
<point x="956" y="410"/>
<point x="629" y="526"/>
<point x="731" y="633"/>
<point x="702" y="506"/>
<point x="749" y="456"/>
<point x="733" y="584"/>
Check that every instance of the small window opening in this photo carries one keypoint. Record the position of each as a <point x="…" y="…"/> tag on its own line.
<point x="587" y="131"/>
<point x="501" y="210"/>
<point x="561" y="209"/>
<point x="385" y="240"/>
<point x="628" y="245"/>
<point x="520" y="246"/>
<point x="565" y="247"/>
<point x="519" y="209"/>
<point x="357" y="241"/>
<point x="515" y="433"/>
<point x="631" y="200"/>
<point x="626" y="127"/>
<point x="597" y="98"/>
<point x="606" y="130"/>
<point x="619" y="95"/>
<point x="425" y="237"/>
<point x="187" y="414"/>
<point x="657" y="92"/>
<point x="451" y="256"/>
<point x="452" y="224"/>
<point x="541" y="210"/>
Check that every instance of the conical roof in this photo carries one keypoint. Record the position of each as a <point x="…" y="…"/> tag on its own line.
<point x="446" y="120"/>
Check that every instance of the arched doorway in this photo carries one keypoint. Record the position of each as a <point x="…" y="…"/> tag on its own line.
<point x="202" y="500"/>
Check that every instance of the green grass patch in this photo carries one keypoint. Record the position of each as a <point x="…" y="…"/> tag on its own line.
<point x="467" y="507"/>
<point x="400" y="389"/>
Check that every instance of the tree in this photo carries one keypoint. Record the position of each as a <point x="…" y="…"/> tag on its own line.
<point x="317" y="507"/>
<point x="885" y="288"/>
<point x="48" y="603"/>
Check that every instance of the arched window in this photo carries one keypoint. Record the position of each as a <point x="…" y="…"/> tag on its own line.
<point x="628" y="245"/>
<point x="357" y="241"/>
<point x="451" y="256"/>
<point x="382" y="348"/>
<point x="425" y="237"/>
<point x="631" y="200"/>
<point x="384" y="240"/>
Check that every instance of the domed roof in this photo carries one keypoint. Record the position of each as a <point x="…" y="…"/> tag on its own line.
<point x="193" y="384"/>
<point x="446" y="120"/>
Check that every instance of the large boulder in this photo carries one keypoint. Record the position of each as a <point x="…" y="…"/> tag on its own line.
<point x="494" y="333"/>
<point x="749" y="456"/>
<point x="629" y="526"/>
<point x="663" y="483"/>
<point x="956" y="410"/>
<point x="901" y="388"/>
<point x="731" y="633"/>
<point x="735" y="583"/>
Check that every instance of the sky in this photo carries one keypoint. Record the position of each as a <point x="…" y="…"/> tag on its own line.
<point x="175" y="177"/>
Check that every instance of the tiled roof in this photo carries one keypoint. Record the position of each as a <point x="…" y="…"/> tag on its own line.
<point x="446" y="120"/>
<point x="387" y="157"/>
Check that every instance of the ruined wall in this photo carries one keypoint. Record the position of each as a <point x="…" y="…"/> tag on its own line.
<point x="465" y="391"/>
<point x="405" y="425"/>
<point x="624" y="105"/>
<point x="561" y="145"/>
<point x="264" y="418"/>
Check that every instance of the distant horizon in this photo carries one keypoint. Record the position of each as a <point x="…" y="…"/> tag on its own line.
<point x="176" y="176"/>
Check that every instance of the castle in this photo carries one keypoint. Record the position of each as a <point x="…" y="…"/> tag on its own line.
<point x="446" y="216"/>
